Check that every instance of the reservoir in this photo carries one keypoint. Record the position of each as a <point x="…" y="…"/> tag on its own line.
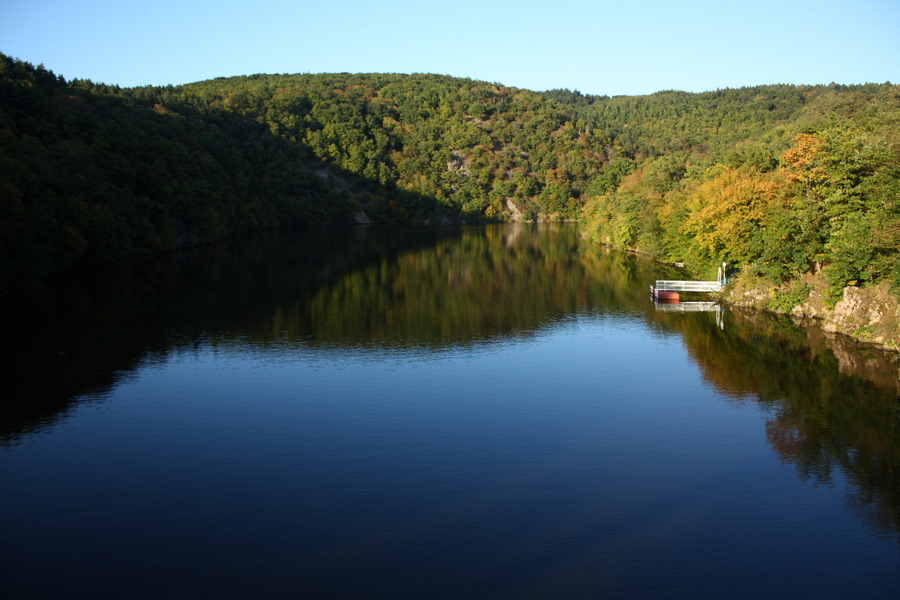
<point x="472" y="412"/>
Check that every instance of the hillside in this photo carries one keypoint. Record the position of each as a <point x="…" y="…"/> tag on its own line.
<point x="780" y="180"/>
<point x="815" y="193"/>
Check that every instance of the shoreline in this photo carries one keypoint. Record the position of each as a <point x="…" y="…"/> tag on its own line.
<point x="868" y="315"/>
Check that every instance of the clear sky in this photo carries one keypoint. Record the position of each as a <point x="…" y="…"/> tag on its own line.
<point x="594" y="46"/>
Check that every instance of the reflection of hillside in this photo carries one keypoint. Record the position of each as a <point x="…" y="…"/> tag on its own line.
<point x="487" y="283"/>
<point x="832" y="406"/>
<point x="415" y="288"/>
<point x="80" y="338"/>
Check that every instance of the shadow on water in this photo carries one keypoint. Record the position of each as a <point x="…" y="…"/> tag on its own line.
<point x="830" y="404"/>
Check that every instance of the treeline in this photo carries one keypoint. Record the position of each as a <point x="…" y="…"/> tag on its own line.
<point x="816" y="192"/>
<point x="457" y="147"/>
<point x="90" y="171"/>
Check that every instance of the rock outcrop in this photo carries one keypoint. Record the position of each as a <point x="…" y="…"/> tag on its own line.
<point x="869" y="314"/>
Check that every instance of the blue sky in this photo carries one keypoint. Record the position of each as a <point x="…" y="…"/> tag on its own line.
<point x="597" y="47"/>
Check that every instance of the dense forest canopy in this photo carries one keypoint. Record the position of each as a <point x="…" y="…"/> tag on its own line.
<point x="782" y="179"/>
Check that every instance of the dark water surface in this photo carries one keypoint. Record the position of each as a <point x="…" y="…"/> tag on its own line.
<point x="493" y="412"/>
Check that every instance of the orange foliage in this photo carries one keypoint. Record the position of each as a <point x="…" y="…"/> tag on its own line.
<point x="801" y="163"/>
<point x="727" y="209"/>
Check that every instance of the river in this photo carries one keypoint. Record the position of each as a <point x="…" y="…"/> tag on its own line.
<point x="475" y="412"/>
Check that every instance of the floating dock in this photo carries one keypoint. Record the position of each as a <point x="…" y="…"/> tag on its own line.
<point x="666" y="290"/>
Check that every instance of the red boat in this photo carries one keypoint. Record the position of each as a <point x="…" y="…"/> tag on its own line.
<point x="666" y="296"/>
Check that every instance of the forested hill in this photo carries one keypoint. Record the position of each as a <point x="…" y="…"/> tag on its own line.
<point x="90" y="171"/>
<point x="780" y="181"/>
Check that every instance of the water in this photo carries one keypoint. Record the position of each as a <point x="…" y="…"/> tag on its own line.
<point x="490" y="412"/>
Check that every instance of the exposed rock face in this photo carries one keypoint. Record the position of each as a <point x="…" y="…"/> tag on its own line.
<point x="515" y="215"/>
<point x="870" y="314"/>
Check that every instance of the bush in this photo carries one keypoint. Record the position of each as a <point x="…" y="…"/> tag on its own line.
<point x="785" y="300"/>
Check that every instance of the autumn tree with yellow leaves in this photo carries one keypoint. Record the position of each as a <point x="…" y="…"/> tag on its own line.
<point x="728" y="211"/>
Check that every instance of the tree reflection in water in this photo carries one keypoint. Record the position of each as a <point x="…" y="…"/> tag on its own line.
<point x="831" y="404"/>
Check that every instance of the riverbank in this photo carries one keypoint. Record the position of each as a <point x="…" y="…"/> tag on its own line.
<point x="867" y="314"/>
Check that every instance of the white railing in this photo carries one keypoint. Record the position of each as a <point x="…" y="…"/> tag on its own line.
<point x="663" y="285"/>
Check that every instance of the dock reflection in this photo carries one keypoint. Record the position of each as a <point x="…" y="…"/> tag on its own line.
<point x="677" y="306"/>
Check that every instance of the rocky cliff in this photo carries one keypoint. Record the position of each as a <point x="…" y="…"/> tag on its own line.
<point x="868" y="314"/>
